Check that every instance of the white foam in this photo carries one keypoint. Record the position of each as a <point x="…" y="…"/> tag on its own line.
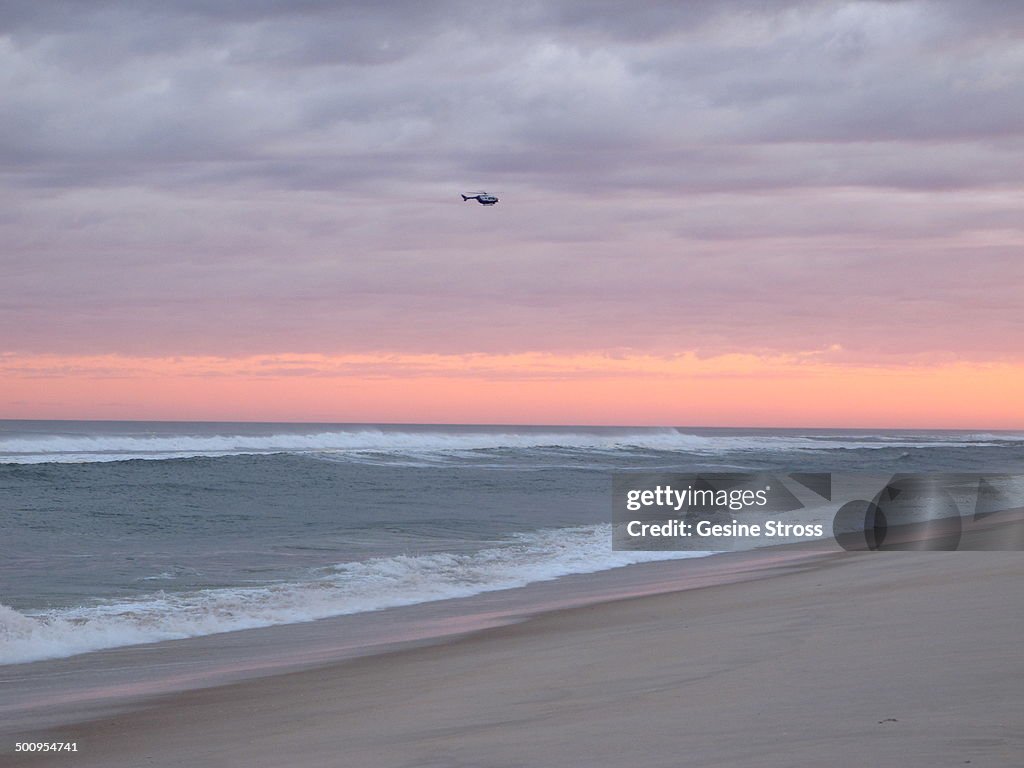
<point x="342" y="589"/>
<point x="366" y="443"/>
<point x="82" y="448"/>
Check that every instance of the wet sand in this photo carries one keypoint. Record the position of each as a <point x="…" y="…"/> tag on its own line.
<point x="903" y="658"/>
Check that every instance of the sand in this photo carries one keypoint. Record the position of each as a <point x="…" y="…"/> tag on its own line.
<point x="869" y="659"/>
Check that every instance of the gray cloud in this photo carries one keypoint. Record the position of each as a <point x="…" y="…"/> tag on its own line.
<point x="261" y="176"/>
<point x="135" y="85"/>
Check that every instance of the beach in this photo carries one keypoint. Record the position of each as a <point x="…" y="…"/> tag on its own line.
<point x="844" y="659"/>
<point x="511" y="385"/>
<point x="350" y="595"/>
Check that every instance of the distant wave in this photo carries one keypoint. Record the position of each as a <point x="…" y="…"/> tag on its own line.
<point x="355" y="443"/>
<point x="345" y="588"/>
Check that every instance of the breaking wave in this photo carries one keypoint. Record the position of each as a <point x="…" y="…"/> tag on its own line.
<point x="345" y="588"/>
<point x="356" y="443"/>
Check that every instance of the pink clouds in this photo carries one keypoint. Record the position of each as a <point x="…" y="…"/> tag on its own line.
<point x="723" y="180"/>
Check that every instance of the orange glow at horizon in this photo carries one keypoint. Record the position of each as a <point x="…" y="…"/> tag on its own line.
<point x="531" y="388"/>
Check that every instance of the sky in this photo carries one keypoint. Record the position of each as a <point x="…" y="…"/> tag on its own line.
<point x="721" y="213"/>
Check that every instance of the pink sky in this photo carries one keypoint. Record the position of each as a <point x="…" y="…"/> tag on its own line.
<point x="722" y="213"/>
<point x="732" y="390"/>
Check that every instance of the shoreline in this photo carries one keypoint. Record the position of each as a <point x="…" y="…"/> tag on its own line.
<point x="909" y="657"/>
<point x="112" y="680"/>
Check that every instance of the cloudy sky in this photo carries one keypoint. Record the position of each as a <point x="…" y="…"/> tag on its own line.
<point x="208" y="208"/>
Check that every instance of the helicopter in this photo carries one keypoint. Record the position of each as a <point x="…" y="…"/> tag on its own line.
<point x="481" y="197"/>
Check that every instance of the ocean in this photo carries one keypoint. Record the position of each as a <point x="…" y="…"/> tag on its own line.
<point x="123" y="533"/>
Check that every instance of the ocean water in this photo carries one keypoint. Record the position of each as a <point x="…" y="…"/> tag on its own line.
<point x="118" y="533"/>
